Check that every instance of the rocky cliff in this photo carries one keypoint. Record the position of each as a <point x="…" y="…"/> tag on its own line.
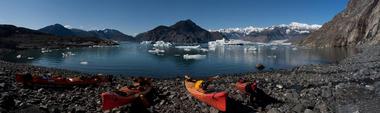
<point x="357" y="25"/>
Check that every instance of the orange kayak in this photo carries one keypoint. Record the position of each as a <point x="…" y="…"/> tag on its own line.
<point x="246" y="87"/>
<point x="112" y="100"/>
<point x="216" y="99"/>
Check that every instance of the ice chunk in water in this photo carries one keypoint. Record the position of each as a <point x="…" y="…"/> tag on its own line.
<point x="194" y="57"/>
<point x="162" y="44"/>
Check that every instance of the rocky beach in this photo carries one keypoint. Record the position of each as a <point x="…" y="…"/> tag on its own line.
<point x="352" y="85"/>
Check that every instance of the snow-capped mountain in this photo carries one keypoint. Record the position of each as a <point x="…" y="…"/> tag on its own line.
<point x="292" y="26"/>
<point x="291" y="31"/>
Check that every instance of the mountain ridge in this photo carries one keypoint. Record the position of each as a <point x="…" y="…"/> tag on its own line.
<point x="14" y="37"/>
<point x="184" y="31"/>
<point x="292" y="31"/>
<point x="109" y="34"/>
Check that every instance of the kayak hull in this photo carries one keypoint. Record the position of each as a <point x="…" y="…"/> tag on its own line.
<point x="241" y="87"/>
<point x="112" y="100"/>
<point x="246" y="87"/>
<point x="216" y="100"/>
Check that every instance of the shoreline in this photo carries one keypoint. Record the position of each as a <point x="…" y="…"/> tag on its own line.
<point x="349" y="86"/>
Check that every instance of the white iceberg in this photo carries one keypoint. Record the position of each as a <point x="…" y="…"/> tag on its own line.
<point x="250" y="49"/>
<point x="146" y="42"/>
<point x="162" y="44"/>
<point x="156" y="51"/>
<point x="274" y="56"/>
<point x="237" y="42"/>
<point x="188" y="47"/>
<point x="30" y="58"/>
<point x="273" y="48"/>
<point x="67" y="54"/>
<point x="203" y="49"/>
<point x="194" y="57"/>
<point x="84" y="62"/>
<point x="213" y="44"/>
<point x="45" y="50"/>
<point x="280" y="42"/>
<point x="18" y="56"/>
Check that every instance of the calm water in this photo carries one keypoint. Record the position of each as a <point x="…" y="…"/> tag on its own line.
<point x="134" y="59"/>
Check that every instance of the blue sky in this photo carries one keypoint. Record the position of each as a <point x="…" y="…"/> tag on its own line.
<point x="136" y="16"/>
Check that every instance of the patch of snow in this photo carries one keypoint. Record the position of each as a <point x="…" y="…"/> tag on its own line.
<point x="293" y="26"/>
<point x="68" y="26"/>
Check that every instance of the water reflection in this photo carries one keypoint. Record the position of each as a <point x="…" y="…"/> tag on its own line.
<point x="134" y="59"/>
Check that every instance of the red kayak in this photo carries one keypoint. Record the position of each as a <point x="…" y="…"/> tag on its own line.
<point x="26" y="79"/>
<point x="126" y="95"/>
<point x="246" y="87"/>
<point x="214" y="99"/>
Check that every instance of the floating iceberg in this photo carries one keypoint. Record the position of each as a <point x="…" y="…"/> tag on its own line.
<point x="156" y="51"/>
<point x="280" y="42"/>
<point x="237" y="42"/>
<point x="146" y="42"/>
<point x="203" y="49"/>
<point x="162" y="44"/>
<point x="84" y="62"/>
<point x="222" y="42"/>
<point x="274" y="56"/>
<point x="67" y="54"/>
<point x="213" y="44"/>
<point x="273" y="48"/>
<point x="194" y="57"/>
<point x="45" y="50"/>
<point x="18" y="56"/>
<point x="30" y="58"/>
<point x="188" y="47"/>
<point x="250" y="49"/>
